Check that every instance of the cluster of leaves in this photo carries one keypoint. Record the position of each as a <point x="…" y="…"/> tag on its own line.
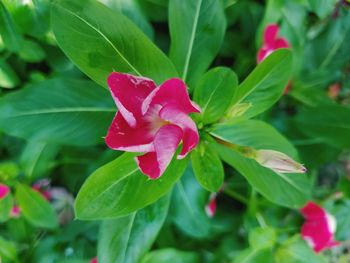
<point x="53" y="119"/>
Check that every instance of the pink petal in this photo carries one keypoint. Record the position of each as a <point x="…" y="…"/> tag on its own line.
<point x="4" y="191"/>
<point x="263" y="53"/>
<point x="270" y="33"/>
<point x="129" y="92"/>
<point x="122" y="137"/>
<point x="319" y="227"/>
<point x="174" y="115"/>
<point x="172" y="91"/>
<point x="94" y="260"/>
<point x="281" y="43"/>
<point x="210" y="208"/>
<point x="153" y="164"/>
<point x="15" y="211"/>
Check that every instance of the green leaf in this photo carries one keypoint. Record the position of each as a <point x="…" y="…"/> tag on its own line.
<point x="252" y="255"/>
<point x="5" y="207"/>
<point x="132" y="10"/>
<point x="8" y="30"/>
<point x="322" y="7"/>
<point x="35" y="208"/>
<point x="99" y="41"/>
<point x="328" y="123"/>
<point x="291" y="190"/>
<point x="188" y="207"/>
<point x="8" y="249"/>
<point x="31" y="52"/>
<point x="36" y="158"/>
<point x="126" y="239"/>
<point x="207" y="166"/>
<point x="295" y="250"/>
<point x="197" y="29"/>
<point x="119" y="188"/>
<point x="254" y="133"/>
<point x="262" y="238"/>
<point x="265" y="85"/>
<point x="214" y="93"/>
<point x="170" y="255"/>
<point x="66" y="111"/>
<point x="8" y="77"/>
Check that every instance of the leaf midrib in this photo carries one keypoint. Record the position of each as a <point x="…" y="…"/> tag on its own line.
<point x="61" y="110"/>
<point x="192" y="38"/>
<point x="104" y="37"/>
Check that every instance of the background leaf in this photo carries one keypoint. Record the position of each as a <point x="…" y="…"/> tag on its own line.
<point x="126" y="239"/>
<point x="99" y="41"/>
<point x="64" y="111"/>
<point x="197" y="29"/>
<point x="171" y="255"/>
<point x="35" y="208"/>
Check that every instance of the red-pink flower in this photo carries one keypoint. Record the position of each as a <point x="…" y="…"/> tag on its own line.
<point x="42" y="187"/>
<point x="210" y="208"/>
<point x="319" y="227"/>
<point x="94" y="260"/>
<point x="15" y="211"/>
<point x="271" y="42"/>
<point x="151" y="119"/>
<point x="4" y="191"/>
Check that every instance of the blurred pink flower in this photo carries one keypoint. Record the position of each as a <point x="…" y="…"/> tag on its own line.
<point x="319" y="227"/>
<point x="15" y="211"/>
<point x="94" y="260"/>
<point x="42" y="187"/>
<point x="151" y="119"/>
<point x="334" y="90"/>
<point x="210" y="208"/>
<point x="271" y="42"/>
<point x="4" y="191"/>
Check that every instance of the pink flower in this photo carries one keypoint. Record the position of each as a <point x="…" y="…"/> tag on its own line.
<point x="94" y="260"/>
<point x="42" y="187"/>
<point x="4" y="191"/>
<point x="319" y="227"/>
<point x="15" y="212"/>
<point x="271" y="42"/>
<point x="210" y="208"/>
<point x="151" y="119"/>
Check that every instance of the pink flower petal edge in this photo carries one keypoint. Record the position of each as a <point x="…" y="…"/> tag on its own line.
<point x="4" y="191"/>
<point x="319" y="227"/>
<point x="152" y="120"/>
<point x="271" y="42"/>
<point x="210" y="208"/>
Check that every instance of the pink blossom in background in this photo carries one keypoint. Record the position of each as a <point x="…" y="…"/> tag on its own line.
<point x="334" y="90"/>
<point x="42" y="187"/>
<point x="271" y="42"/>
<point x="319" y="227"/>
<point x="4" y="191"/>
<point x="152" y="120"/>
<point x="15" y="212"/>
<point x="210" y="208"/>
<point x="94" y="260"/>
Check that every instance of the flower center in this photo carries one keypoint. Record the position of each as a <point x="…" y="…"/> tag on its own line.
<point x="155" y="122"/>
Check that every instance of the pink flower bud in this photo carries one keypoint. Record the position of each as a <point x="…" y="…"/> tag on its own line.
<point x="4" y="191"/>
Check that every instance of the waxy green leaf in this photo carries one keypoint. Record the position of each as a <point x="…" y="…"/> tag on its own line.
<point x="291" y="190"/>
<point x="66" y="111"/>
<point x="119" y="188"/>
<point x="35" y="208"/>
<point x="197" y="29"/>
<point x="99" y="41"/>
<point x="214" y="93"/>
<point x="126" y="239"/>
<point x="265" y="85"/>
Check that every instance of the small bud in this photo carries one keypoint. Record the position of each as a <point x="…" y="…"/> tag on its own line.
<point x="278" y="162"/>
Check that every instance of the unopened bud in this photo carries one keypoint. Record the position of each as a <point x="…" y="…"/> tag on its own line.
<point x="278" y="162"/>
